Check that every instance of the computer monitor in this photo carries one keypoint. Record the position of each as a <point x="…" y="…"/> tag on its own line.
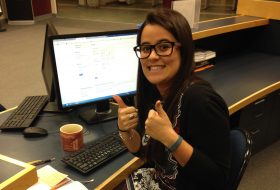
<point x="47" y="69"/>
<point x="91" y="67"/>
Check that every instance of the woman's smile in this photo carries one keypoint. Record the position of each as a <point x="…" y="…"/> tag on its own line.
<point x="159" y="70"/>
<point x="156" y="68"/>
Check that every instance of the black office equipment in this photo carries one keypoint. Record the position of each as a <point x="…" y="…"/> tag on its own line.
<point x="19" y="11"/>
<point x="25" y="113"/>
<point x="47" y="69"/>
<point x="96" y="154"/>
<point x="91" y="67"/>
<point x="33" y="132"/>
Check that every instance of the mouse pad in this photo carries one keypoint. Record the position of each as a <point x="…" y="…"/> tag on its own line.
<point x="8" y="170"/>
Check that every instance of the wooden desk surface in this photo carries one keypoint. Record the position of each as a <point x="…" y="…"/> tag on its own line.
<point x="228" y="24"/>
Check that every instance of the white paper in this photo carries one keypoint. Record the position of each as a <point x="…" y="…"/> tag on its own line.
<point x="48" y="177"/>
<point x="74" y="185"/>
<point x="39" y="186"/>
<point x="190" y="9"/>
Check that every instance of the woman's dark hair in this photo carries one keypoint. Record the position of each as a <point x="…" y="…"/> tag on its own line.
<point x="147" y="94"/>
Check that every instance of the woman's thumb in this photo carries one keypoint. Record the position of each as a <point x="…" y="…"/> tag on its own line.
<point x="160" y="109"/>
<point x="119" y="101"/>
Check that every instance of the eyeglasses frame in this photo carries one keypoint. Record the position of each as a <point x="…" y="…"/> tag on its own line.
<point x="152" y="47"/>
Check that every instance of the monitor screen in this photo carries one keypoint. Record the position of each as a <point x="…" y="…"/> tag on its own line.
<point x="47" y="69"/>
<point x="90" y="68"/>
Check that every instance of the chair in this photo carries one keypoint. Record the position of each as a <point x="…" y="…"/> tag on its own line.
<point x="241" y="143"/>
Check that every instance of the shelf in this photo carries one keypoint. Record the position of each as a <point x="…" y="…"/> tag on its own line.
<point x="244" y="77"/>
<point x="229" y="24"/>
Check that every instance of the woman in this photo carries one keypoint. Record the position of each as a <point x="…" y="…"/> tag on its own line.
<point x="180" y="125"/>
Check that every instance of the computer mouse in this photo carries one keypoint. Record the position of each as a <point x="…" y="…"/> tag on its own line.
<point x="35" y="132"/>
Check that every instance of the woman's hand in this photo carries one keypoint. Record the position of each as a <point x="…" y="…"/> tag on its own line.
<point x="127" y="115"/>
<point x="159" y="126"/>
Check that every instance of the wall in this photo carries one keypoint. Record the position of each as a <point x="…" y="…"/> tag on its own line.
<point x="259" y="8"/>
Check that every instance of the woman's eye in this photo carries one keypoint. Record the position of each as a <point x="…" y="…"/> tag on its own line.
<point x="163" y="47"/>
<point x="145" y="48"/>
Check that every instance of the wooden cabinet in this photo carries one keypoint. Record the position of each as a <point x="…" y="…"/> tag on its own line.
<point x="254" y="118"/>
<point x="261" y="119"/>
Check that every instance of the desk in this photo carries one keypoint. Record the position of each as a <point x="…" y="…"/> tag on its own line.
<point x="14" y="145"/>
<point x="246" y="70"/>
<point x="244" y="78"/>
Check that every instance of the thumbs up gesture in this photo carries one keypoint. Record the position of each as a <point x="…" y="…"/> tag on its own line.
<point x="158" y="124"/>
<point x="127" y="115"/>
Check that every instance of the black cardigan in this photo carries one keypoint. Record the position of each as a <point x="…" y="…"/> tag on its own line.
<point x="205" y="125"/>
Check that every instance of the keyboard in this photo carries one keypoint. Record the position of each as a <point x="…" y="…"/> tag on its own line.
<point x="23" y="116"/>
<point x="96" y="154"/>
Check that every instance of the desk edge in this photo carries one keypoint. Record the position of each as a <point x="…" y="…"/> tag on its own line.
<point x="121" y="174"/>
<point x="230" y="28"/>
<point x="253" y="97"/>
<point x="7" y="110"/>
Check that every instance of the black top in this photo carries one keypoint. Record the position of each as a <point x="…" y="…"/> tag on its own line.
<point x="205" y="125"/>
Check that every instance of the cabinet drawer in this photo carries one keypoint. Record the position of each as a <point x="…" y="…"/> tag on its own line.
<point x="253" y="112"/>
<point x="258" y="129"/>
<point x="274" y="119"/>
<point x="258" y="138"/>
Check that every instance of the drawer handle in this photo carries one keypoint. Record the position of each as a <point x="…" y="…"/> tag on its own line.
<point x="255" y="131"/>
<point x="258" y="115"/>
<point x="260" y="101"/>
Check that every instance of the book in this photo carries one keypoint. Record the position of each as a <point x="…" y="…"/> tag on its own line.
<point x="16" y="175"/>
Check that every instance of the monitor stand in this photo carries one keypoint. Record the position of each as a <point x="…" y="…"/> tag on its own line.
<point x="52" y="107"/>
<point x="102" y="111"/>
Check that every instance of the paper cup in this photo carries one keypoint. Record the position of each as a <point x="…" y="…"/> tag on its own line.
<point x="71" y="136"/>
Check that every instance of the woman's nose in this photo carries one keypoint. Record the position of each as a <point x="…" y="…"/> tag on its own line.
<point x="153" y="54"/>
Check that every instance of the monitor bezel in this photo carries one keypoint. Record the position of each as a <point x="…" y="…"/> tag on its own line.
<point x="50" y="88"/>
<point x="76" y="35"/>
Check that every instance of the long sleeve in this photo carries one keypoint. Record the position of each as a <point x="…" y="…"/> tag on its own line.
<point x="205" y="125"/>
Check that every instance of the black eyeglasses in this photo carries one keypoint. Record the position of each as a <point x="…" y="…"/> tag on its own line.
<point x="161" y="49"/>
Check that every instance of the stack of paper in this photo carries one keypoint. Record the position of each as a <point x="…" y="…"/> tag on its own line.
<point x="50" y="179"/>
<point x="50" y="176"/>
<point x="203" y="55"/>
<point x="204" y="58"/>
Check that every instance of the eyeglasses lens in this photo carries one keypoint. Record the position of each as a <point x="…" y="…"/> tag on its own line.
<point x="161" y="49"/>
